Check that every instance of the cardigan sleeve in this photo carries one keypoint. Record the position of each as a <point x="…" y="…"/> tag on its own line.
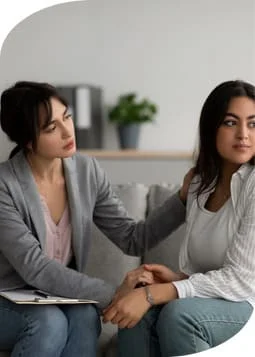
<point x="235" y="281"/>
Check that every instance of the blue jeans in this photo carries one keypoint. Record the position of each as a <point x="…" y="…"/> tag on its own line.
<point x="49" y="330"/>
<point x="182" y="327"/>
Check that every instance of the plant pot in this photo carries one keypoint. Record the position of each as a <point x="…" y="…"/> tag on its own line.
<point x="129" y="136"/>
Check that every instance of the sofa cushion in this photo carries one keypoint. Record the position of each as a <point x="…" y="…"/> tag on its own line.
<point x="111" y="349"/>
<point x="106" y="261"/>
<point x="167" y="252"/>
<point x="109" y="333"/>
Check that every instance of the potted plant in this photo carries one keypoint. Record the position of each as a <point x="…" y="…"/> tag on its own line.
<point x="129" y="113"/>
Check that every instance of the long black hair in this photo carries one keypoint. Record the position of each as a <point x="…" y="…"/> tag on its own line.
<point x="209" y="163"/>
<point x="20" y="114"/>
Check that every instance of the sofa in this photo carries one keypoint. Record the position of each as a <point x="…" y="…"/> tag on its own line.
<point x="106" y="261"/>
<point x="139" y="200"/>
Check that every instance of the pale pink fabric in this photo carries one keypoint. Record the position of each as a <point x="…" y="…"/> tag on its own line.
<point x="58" y="237"/>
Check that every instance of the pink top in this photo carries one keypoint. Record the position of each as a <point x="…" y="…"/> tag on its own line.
<point x="58" y="236"/>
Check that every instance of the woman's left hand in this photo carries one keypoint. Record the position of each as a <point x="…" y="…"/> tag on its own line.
<point x="128" y="310"/>
<point x="134" y="277"/>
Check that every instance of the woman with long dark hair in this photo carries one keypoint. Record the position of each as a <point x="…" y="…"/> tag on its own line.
<point x="213" y="296"/>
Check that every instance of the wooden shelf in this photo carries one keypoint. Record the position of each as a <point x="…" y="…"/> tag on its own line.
<point x="137" y="154"/>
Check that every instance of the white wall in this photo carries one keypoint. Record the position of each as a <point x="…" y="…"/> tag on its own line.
<point x="174" y="52"/>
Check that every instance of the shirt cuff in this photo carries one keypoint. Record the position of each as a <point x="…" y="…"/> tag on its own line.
<point x="184" y="288"/>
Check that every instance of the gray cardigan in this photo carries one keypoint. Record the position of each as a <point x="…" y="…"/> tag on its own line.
<point x="22" y="229"/>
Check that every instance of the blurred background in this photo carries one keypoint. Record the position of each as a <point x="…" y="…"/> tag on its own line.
<point x="171" y="52"/>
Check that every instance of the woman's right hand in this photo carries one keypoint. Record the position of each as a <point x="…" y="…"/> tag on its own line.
<point x="163" y="274"/>
<point x="134" y="278"/>
<point x="138" y="276"/>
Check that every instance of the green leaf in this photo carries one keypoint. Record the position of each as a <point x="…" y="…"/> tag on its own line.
<point x="129" y="110"/>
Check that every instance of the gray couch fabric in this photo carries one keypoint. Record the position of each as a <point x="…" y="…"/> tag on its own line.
<point x="167" y="252"/>
<point x="106" y="261"/>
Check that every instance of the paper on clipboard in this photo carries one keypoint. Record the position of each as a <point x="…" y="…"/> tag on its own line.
<point x="27" y="296"/>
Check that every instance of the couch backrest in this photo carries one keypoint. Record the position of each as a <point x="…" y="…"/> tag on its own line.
<point x="167" y="252"/>
<point x="106" y="261"/>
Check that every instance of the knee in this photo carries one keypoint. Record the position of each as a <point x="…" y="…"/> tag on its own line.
<point x="51" y="326"/>
<point x="174" y="314"/>
<point x="85" y="316"/>
<point x="91" y="314"/>
<point x="87" y="312"/>
<point x="177" y="329"/>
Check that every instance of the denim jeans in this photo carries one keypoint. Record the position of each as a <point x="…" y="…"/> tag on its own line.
<point x="49" y="330"/>
<point x="182" y="327"/>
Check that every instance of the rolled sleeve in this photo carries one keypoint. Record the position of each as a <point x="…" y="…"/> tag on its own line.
<point x="184" y="288"/>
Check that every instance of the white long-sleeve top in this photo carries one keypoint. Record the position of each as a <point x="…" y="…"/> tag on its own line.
<point x="234" y="279"/>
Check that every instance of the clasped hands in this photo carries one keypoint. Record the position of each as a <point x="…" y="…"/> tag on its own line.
<point x="129" y="303"/>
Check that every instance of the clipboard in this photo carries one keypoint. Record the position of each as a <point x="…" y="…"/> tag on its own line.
<point x="39" y="297"/>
